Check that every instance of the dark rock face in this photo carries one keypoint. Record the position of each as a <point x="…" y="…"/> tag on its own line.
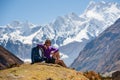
<point x="103" y="53"/>
<point x="116" y="75"/>
<point x="7" y="59"/>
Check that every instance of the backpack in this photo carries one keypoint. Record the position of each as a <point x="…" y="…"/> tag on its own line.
<point x="37" y="54"/>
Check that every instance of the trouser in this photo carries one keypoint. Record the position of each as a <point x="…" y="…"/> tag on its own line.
<point x="50" y="60"/>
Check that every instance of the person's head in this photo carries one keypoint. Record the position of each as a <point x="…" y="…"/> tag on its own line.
<point x="48" y="42"/>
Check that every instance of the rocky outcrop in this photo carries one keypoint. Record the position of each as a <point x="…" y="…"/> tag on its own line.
<point x="91" y="75"/>
<point x="116" y="75"/>
<point x="7" y="59"/>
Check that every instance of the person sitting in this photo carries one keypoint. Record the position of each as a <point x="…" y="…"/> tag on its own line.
<point x="51" y="54"/>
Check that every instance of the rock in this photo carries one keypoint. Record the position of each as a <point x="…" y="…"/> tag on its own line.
<point x="91" y="75"/>
<point x="8" y="60"/>
<point x="116" y="75"/>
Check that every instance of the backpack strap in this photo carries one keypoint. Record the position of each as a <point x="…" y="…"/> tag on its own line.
<point x="43" y="52"/>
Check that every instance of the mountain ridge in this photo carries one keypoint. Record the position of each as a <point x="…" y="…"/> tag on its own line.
<point x="8" y="60"/>
<point x="102" y="53"/>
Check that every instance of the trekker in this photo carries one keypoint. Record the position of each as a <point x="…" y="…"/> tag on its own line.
<point x="51" y="54"/>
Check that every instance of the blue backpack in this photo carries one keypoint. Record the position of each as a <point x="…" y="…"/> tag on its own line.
<point x="37" y="54"/>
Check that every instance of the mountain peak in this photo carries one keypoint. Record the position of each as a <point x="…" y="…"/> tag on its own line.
<point x="102" y="10"/>
<point x="73" y="16"/>
<point x="96" y="6"/>
<point x="92" y="3"/>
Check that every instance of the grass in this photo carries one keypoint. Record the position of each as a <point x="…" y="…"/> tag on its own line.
<point x="40" y="71"/>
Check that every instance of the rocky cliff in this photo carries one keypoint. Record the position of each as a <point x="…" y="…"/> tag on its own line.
<point x="103" y="53"/>
<point x="7" y="59"/>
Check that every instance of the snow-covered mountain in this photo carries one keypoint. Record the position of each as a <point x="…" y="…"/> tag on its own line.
<point x="97" y="17"/>
<point x="70" y="32"/>
<point x="101" y="54"/>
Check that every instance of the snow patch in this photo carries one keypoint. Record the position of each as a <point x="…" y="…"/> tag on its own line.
<point x="63" y="56"/>
<point x="28" y="40"/>
<point x="92" y="14"/>
<point x="114" y="9"/>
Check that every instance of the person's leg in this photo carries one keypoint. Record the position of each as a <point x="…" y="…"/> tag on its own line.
<point x="56" y="55"/>
<point x="60" y="62"/>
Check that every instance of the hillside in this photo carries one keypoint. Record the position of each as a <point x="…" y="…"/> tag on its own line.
<point x="40" y="71"/>
<point x="7" y="59"/>
<point x="103" y="53"/>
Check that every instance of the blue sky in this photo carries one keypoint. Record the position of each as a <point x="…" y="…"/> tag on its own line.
<point x="40" y="11"/>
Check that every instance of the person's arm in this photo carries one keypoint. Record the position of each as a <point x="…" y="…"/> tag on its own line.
<point x="54" y="50"/>
<point x="55" y="53"/>
<point x="40" y="45"/>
